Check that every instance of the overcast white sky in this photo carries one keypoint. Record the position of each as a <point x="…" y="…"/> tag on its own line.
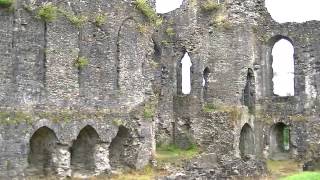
<point x="281" y="11"/>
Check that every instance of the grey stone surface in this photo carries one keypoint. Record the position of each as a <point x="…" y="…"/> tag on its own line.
<point x="130" y="69"/>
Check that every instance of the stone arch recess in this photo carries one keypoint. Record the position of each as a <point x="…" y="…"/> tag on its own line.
<point x="83" y="150"/>
<point x="43" y="144"/>
<point x="246" y="144"/>
<point x="279" y="141"/>
<point x="118" y="147"/>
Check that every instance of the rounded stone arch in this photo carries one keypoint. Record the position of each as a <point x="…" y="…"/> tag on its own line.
<point x="246" y="142"/>
<point x="270" y="60"/>
<point x="43" y="144"/>
<point x="279" y="141"/>
<point x="274" y="39"/>
<point x="45" y="123"/>
<point x="83" y="150"/>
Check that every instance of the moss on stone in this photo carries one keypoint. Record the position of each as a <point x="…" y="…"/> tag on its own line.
<point x="48" y="12"/>
<point x="222" y="21"/>
<point x="210" y="6"/>
<point x="208" y="107"/>
<point x="76" y="20"/>
<point x="298" y="118"/>
<point x="14" y="117"/>
<point x="143" y="28"/>
<point x="233" y="110"/>
<point x="100" y="19"/>
<point x="6" y="3"/>
<point x="81" y="62"/>
<point x="170" y="32"/>
<point x="117" y="122"/>
<point x="149" y="108"/>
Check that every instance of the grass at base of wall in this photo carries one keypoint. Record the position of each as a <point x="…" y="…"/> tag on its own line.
<point x="303" y="176"/>
<point x="280" y="169"/>
<point x="166" y="154"/>
<point x="144" y="174"/>
<point x="174" y="155"/>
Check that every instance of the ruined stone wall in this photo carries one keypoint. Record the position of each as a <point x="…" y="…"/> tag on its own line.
<point x="132" y="80"/>
<point x="43" y="86"/>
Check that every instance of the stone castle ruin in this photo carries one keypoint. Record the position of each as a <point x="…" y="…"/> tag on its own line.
<point x="87" y="87"/>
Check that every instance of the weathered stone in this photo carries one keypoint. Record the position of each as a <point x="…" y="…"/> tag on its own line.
<point x="128" y="89"/>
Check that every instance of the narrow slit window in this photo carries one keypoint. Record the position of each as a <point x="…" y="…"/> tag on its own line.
<point x="186" y="74"/>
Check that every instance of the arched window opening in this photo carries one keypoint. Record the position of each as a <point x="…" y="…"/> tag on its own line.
<point x="42" y="148"/>
<point x="186" y="74"/>
<point x="246" y="145"/>
<point x="83" y="150"/>
<point x="118" y="147"/>
<point x="283" y="68"/>
<point x="249" y="91"/>
<point x="279" y="141"/>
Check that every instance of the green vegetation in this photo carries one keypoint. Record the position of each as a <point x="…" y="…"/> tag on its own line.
<point x="233" y="111"/>
<point x="165" y="43"/>
<point x="280" y="169"/>
<point x="143" y="28"/>
<point x="149" y="108"/>
<point x="59" y="116"/>
<point x="77" y="20"/>
<point x="209" y="107"/>
<point x="117" y="122"/>
<point x="286" y="136"/>
<point x="81" y="62"/>
<point x="6" y="3"/>
<point x="148" y="111"/>
<point x="170" y="32"/>
<point x="100" y="20"/>
<point x="175" y="155"/>
<point x="303" y="176"/>
<point x="47" y="12"/>
<point x="298" y="118"/>
<point x="145" y="174"/>
<point x="209" y="6"/>
<point x="148" y="11"/>
<point x="221" y="21"/>
<point x="15" y="117"/>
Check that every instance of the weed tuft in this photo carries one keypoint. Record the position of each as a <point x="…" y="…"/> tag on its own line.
<point x="47" y="12"/>
<point x="210" y="6"/>
<point x="100" y="20"/>
<point x="81" y="62"/>
<point x="148" y="11"/>
<point x="170" y="32"/>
